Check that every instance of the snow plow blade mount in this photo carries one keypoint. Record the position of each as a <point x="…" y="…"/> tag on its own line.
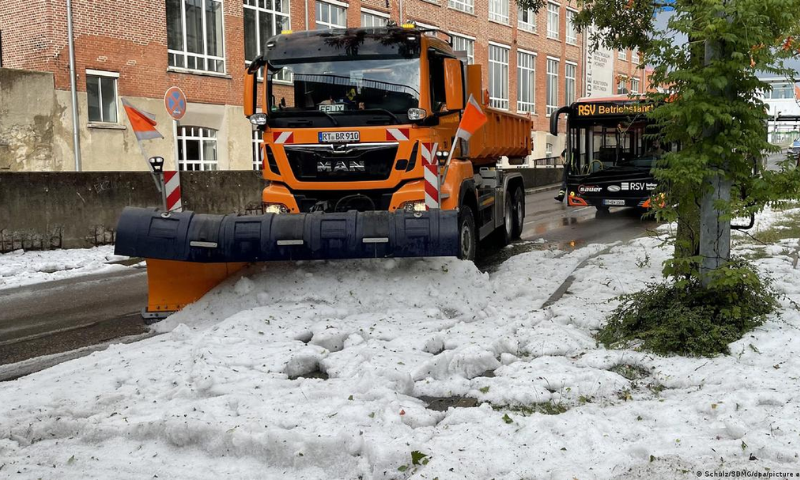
<point x="190" y="237"/>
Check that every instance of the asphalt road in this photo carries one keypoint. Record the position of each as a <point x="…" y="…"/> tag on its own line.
<point x="64" y="315"/>
<point x="60" y="316"/>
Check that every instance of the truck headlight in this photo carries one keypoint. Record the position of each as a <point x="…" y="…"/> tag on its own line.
<point x="414" y="206"/>
<point x="275" y="208"/>
<point x="417" y="113"/>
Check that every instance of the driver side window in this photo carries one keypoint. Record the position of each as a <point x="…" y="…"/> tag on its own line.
<point x="438" y="94"/>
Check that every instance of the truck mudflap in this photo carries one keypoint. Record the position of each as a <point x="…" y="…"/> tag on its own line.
<point x="190" y="237"/>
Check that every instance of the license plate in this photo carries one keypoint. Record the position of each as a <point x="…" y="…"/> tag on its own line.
<point x="339" y="137"/>
<point x="614" y="203"/>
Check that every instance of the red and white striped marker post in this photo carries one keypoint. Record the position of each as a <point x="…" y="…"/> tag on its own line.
<point x="172" y="192"/>
<point x="431" y="175"/>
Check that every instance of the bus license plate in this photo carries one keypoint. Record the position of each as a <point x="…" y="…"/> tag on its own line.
<point x="614" y="203"/>
<point x="338" y="137"/>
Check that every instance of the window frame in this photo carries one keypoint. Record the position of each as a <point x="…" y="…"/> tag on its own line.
<point x="552" y="86"/>
<point x="202" y="162"/>
<point x="522" y="104"/>
<point x="497" y="101"/>
<point x="502" y="17"/>
<point x="570" y="92"/>
<point x="331" y="4"/>
<point x="258" y="160"/>
<point x="102" y="73"/>
<point x="470" y="41"/>
<point x="553" y="34"/>
<point x="466" y="6"/>
<point x="374" y="13"/>
<point x="622" y="80"/>
<point x="283" y="77"/>
<point x="637" y="82"/>
<point x="635" y="57"/>
<point x="205" y="57"/>
<point x="622" y="55"/>
<point x="529" y="26"/>
<point x="572" y="32"/>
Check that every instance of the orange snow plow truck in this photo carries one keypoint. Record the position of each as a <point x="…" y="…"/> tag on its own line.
<point x="357" y="127"/>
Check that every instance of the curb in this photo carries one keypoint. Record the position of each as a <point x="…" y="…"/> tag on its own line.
<point x="552" y="186"/>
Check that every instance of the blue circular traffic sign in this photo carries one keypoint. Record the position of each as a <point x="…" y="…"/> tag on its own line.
<point x="175" y="102"/>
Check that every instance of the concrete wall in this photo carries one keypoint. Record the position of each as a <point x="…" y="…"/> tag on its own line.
<point x="72" y="210"/>
<point x="28" y="110"/>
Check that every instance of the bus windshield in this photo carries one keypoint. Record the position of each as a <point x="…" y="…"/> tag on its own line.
<point x="612" y="143"/>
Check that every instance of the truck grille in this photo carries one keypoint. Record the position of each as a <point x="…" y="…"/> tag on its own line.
<point x="335" y="163"/>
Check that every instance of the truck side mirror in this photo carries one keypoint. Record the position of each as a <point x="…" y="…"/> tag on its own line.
<point x="453" y="84"/>
<point x="250" y="87"/>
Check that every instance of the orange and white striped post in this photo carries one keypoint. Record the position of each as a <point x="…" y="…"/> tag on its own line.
<point x="431" y="175"/>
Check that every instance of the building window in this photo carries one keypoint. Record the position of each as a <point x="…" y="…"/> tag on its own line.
<point x="258" y="158"/>
<point x="635" y="85"/>
<point x="433" y="29"/>
<point x="330" y="16"/>
<point x="552" y="85"/>
<point x="622" y="54"/>
<point x="526" y="20"/>
<point x="498" y="76"/>
<point x="464" y="44"/>
<point x="780" y="91"/>
<point x="101" y="94"/>
<point x="552" y="20"/>
<point x="572" y="32"/>
<point x="635" y="56"/>
<point x="195" y="38"/>
<point x="262" y="20"/>
<point x="371" y="18"/>
<point x="197" y="148"/>
<point x="463" y="5"/>
<point x="498" y="11"/>
<point x="570" y="85"/>
<point x="622" y="85"/>
<point x="526" y="82"/>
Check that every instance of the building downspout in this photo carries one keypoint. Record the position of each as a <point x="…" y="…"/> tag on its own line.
<point x="73" y="89"/>
<point x="306" y="14"/>
<point x="401" y="12"/>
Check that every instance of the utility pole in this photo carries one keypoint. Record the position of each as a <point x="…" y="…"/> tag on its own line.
<point x="715" y="232"/>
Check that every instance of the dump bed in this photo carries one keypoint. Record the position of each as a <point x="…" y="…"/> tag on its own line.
<point x="505" y="134"/>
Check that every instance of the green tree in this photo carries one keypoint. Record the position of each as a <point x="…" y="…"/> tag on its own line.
<point x="712" y="109"/>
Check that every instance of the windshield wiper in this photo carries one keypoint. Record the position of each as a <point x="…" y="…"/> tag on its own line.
<point x="375" y="110"/>
<point x="309" y="112"/>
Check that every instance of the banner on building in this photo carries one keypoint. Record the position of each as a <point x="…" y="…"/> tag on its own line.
<point x="599" y="70"/>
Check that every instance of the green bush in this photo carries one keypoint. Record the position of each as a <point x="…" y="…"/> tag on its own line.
<point x="681" y="317"/>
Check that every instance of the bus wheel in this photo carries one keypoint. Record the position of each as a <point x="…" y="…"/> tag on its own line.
<point x="518" y="200"/>
<point x="467" y="234"/>
<point x="602" y="211"/>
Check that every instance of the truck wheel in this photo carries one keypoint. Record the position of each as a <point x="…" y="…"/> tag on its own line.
<point x="467" y="234"/>
<point x="518" y="199"/>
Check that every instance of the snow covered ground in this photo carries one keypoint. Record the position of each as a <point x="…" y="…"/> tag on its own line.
<point x="234" y="389"/>
<point x="24" y="268"/>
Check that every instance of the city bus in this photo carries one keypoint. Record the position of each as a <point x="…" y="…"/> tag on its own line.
<point x="610" y="152"/>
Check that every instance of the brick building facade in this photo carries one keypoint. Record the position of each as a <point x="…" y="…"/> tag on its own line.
<point x="137" y="49"/>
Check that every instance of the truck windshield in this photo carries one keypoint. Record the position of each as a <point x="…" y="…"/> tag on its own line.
<point x="375" y="91"/>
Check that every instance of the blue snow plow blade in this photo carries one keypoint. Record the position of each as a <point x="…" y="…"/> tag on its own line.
<point x="190" y="237"/>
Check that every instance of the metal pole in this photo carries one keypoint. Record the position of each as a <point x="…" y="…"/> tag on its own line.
<point x="75" y="124"/>
<point x="163" y="191"/>
<point x="306" y="15"/>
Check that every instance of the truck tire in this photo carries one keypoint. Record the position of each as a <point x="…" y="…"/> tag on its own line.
<point x="518" y="206"/>
<point x="467" y="234"/>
